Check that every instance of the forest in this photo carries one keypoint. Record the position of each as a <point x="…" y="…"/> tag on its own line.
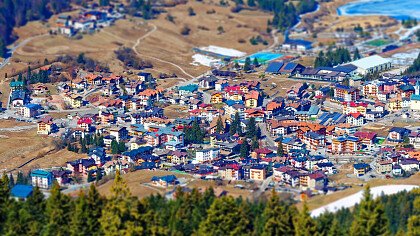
<point x="197" y="213"/>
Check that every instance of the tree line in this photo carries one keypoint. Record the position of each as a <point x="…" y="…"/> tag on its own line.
<point x="197" y="213"/>
<point x="334" y="57"/>
<point x="415" y="67"/>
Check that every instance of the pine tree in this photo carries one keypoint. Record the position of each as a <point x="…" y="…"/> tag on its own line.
<point x="280" y="151"/>
<point x="255" y="63"/>
<point x="251" y="3"/>
<point x="35" y="206"/>
<point x="255" y="144"/>
<point x="247" y="65"/>
<point x="224" y="218"/>
<point x="278" y="217"/>
<point x="4" y="199"/>
<point x="219" y="125"/>
<point x="304" y="224"/>
<point x="114" y="147"/>
<point x="86" y="213"/>
<point x="11" y="181"/>
<point x="57" y="212"/>
<point x="251" y="128"/>
<point x="3" y="49"/>
<point x="120" y="215"/>
<point x="356" y="55"/>
<point x="370" y="220"/>
<point x="244" y="149"/>
<point x="334" y="229"/>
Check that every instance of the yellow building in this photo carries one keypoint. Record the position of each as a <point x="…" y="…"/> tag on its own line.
<point x="252" y="99"/>
<point x="257" y="173"/>
<point x="216" y="98"/>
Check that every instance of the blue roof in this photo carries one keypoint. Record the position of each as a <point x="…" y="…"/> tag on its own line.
<point x="16" y="84"/>
<point x="22" y="191"/>
<point x="33" y="106"/>
<point x="290" y="66"/>
<point x="41" y="173"/>
<point x="299" y="42"/>
<point x="360" y="166"/>
<point x="189" y="88"/>
<point x="166" y="178"/>
<point x="138" y="151"/>
<point x="415" y="97"/>
<point x="274" y="67"/>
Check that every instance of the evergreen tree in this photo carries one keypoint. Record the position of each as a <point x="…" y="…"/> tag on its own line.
<point x="278" y="217"/>
<point x="20" y="178"/>
<point x="255" y="144"/>
<point x="244" y="149"/>
<point x="356" y="55"/>
<point x="224" y="218"/>
<point x="35" y="206"/>
<point x="251" y="3"/>
<point x="98" y="174"/>
<point x="86" y="213"/>
<point x="114" y="147"/>
<point x="121" y="147"/>
<point x="3" y="49"/>
<point x="251" y="128"/>
<point x="11" y="181"/>
<point x="57" y="212"/>
<point x="280" y="151"/>
<point x="4" y="199"/>
<point x="247" y="65"/>
<point x="304" y="224"/>
<point x="120" y="215"/>
<point x="370" y="220"/>
<point x="103" y="2"/>
<point x="255" y="63"/>
<point x="219" y="125"/>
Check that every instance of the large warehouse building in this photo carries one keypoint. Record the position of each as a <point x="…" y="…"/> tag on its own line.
<point x="371" y="64"/>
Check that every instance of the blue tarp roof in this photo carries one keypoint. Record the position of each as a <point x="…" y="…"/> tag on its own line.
<point x="21" y="191"/>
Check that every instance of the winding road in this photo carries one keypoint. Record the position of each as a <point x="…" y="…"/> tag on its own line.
<point x="155" y="58"/>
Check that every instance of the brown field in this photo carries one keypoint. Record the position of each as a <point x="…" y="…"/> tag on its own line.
<point x="53" y="159"/>
<point x="175" y="111"/>
<point x="17" y="148"/>
<point x="162" y="45"/>
<point x="135" y="181"/>
<point x="322" y="200"/>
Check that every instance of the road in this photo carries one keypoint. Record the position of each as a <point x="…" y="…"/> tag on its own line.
<point x="15" y="47"/>
<point x="155" y="58"/>
<point x="269" y="140"/>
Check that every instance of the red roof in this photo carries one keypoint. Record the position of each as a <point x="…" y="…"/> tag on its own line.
<point x="356" y="115"/>
<point x="84" y="121"/>
<point x="365" y="135"/>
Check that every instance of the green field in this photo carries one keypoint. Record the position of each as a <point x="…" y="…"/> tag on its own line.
<point x="378" y="42"/>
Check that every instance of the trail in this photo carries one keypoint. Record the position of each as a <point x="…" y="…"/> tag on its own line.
<point x="155" y="58"/>
<point x="14" y="48"/>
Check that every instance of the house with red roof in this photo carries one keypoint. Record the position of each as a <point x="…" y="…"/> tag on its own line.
<point x="356" y="119"/>
<point x="366" y="137"/>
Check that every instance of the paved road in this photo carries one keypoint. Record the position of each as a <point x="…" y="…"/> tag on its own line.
<point x="15" y="47"/>
<point x="269" y="140"/>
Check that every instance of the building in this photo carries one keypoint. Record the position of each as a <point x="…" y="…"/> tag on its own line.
<point x="360" y="169"/>
<point x="397" y="134"/>
<point x="206" y="155"/>
<point x="257" y="172"/>
<point x="415" y="98"/>
<point x="21" y="192"/>
<point x="42" y="178"/>
<point x="313" y="140"/>
<point x="120" y="133"/>
<point x="296" y="45"/>
<point x="384" y="166"/>
<point x="355" y="119"/>
<point x="46" y="126"/>
<point x="344" y="93"/>
<point x="252" y="99"/>
<point x="371" y="64"/>
<point x="164" y="181"/>
<point x="344" y="145"/>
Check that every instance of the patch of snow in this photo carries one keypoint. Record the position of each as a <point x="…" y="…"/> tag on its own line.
<point x="224" y="51"/>
<point x="200" y="59"/>
<point x="406" y="58"/>
<point x="352" y="200"/>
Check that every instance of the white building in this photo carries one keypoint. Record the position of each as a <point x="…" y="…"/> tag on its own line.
<point x="415" y="98"/>
<point x="371" y="64"/>
<point x="206" y="154"/>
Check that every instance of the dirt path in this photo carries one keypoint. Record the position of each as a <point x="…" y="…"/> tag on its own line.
<point x="155" y="58"/>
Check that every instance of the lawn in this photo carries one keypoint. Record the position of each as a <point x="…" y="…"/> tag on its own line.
<point x="378" y="42"/>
